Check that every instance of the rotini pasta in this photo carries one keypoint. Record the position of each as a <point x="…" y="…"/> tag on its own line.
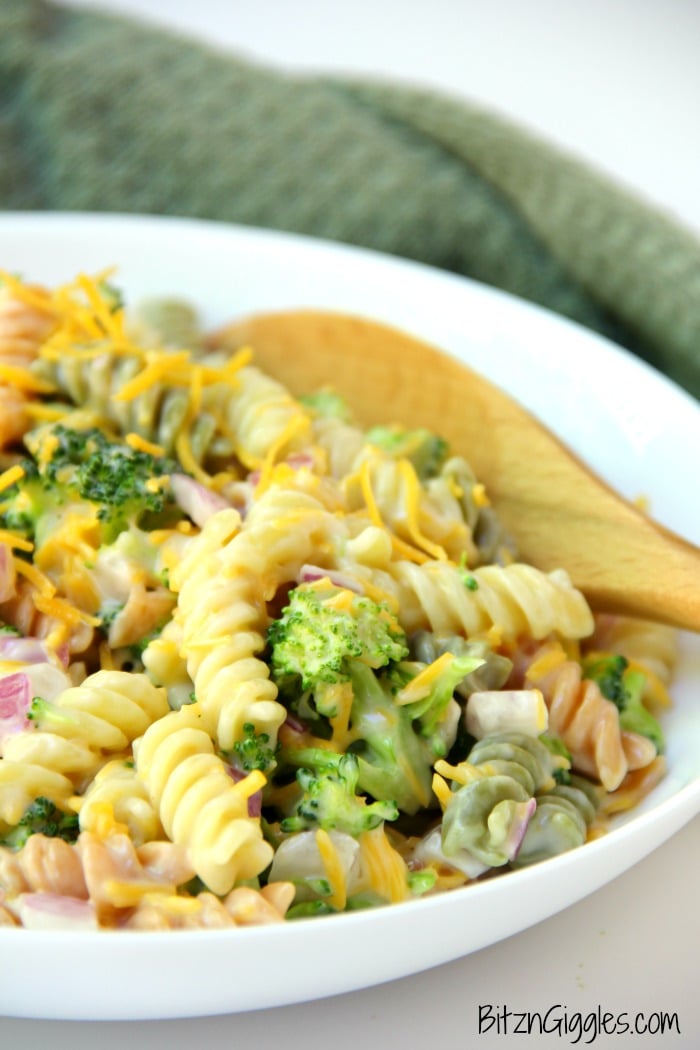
<point x="258" y="663"/>
<point x="84" y="724"/>
<point x="199" y="804"/>
<point x="515" y="599"/>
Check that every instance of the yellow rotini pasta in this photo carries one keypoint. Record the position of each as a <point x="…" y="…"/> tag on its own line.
<point x="118" y="796"/>
<point x="200" y="806"/>
<point x="515" y="599"/>
<point x="102" y="716"/>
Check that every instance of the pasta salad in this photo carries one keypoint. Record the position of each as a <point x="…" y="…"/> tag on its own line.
<point x="258" y="663"/>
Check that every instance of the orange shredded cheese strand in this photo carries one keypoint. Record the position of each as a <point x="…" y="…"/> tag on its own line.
<point x="334" y="870"/>
<point x="10" y="476"/>
<point x="420" y="686"/>
<point x="410" y="477"/>
<point x="139" y="444"/>
<point x="23" y="380"/>
<point x="385" y="867"/>
<point x="15" y="542"/>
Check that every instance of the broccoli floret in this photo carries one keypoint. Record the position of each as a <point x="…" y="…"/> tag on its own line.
<point x="329" y="782"/>
<point x="561" y="755"/>
<point x="617" y="682"/>
<point x="70" y="467"/>
<point x="108" y="614"/>
<point x="254" y="751"/>
<point x="430" y="708"/>
<point x="329" y="640"/>
<point x="322" y="632"/>
<point x="395" y="762"/>
<point x="42" y="817"/>
<point x="327" y="404"/>
<point x="426" y="451"/>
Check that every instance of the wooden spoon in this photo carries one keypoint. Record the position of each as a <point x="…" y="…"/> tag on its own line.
<point x="559" y="513"/>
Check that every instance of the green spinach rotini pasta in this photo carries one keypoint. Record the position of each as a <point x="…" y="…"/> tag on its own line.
<point x="258" y="663"/>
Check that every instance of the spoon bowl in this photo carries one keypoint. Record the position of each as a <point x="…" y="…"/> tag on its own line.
<point x="559" y="512"/>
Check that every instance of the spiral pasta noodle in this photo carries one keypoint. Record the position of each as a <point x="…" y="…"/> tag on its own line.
<point x="222" y="605"/>
<point x="494" y="791"/>
<point x="200" y="806"/>
<point x="588" y="723"/>
<point x="117" y="795"/>
<point x="516" y="599"/>
<point x="100" y="717"/>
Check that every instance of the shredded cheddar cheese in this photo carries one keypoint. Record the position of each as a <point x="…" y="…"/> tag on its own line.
<point x="139" y="444"/>
<point x="385" y="868"/>
<point x="333" y="866"/>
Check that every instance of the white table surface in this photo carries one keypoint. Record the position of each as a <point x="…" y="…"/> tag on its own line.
<point x="618" y="83"/>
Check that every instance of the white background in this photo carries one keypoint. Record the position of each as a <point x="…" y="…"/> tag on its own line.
<point x="618" y="83"/>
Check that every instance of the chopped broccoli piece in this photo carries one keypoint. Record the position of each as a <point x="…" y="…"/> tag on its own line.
<point x="328" y="404"/>
<point x="46" y="715"/>
<point x="325" y="629"/>
<point x="430" y="709"/>
<point x="469" y="581"/>
<point x="608" y="673"/>
<point x="254" y="751"/>
<point x="73" y="466"/>
<point x="625" y="688"/>
<point x="42" y="817"/>
<point x="329" y="639"/>
<point x="329" y="782"/>
<point x="309" y="910"/>
<point x="395" y="762"/>
<point x="562" y="757"/>
<point x="421" y="881"/>
<point x="426" y="451"/>
<point x="108" y="614"/>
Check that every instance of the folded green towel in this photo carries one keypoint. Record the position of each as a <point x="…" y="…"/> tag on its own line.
<point x="103" y="114"/>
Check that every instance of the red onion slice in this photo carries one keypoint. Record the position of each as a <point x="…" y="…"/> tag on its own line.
<point x="50" y="911"/>
<point x="197" y="501"/>
<point x="15" y="700"/>
<point x="311" y="573"/>
<point x="24" y="650"/>
<point x="254" y="800"/>
<point x="522" y="814"/>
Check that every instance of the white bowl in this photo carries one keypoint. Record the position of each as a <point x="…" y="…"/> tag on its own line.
<point x="632" y="425"/>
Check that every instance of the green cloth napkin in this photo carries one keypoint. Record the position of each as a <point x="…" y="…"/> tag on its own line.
<point x="103" y="114"/>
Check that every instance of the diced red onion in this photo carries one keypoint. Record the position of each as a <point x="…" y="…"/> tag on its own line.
<point x="311" y="573"/>
<point x="297" y="461"/>
<point x="255" y="804"/>
<point x="23" y="650"/>
<point x="50" y="911"/>
<point x="15" y="700"/>
<point x="197" y="501"/>
<point x="8" y="575"/>
<point x="294" y="723"/>
<point x="516" y="833"/>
